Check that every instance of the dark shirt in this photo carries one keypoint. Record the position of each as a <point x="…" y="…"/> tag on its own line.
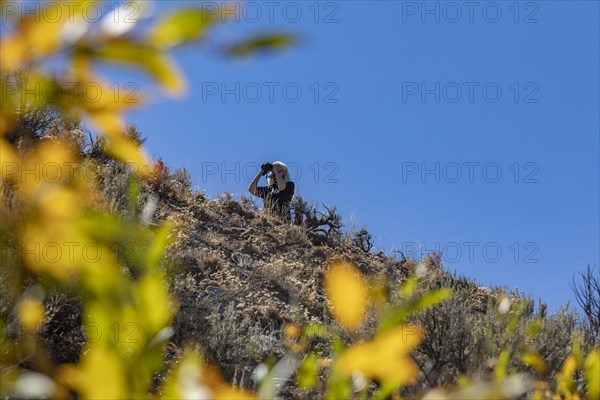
<point x="275" y="200"/>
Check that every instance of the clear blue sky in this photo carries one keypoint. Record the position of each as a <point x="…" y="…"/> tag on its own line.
<point x="518" y="96"/>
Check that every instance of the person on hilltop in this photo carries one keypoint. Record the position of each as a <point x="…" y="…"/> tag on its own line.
<point x="279" y="192"/>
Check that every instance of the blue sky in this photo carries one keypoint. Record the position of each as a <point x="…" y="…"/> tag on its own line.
<point x="474" y="131"/>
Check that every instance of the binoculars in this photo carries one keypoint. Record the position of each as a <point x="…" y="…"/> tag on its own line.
<point x="266" y="168"/>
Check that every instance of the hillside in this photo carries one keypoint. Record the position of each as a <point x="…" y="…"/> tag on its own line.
<point x="240" y="275"/>
<point x="241" y="278"/>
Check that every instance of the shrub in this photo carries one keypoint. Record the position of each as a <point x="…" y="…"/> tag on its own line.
<point x="452" y="343"/>
<point x="183" y="179"/>
<point x="554" y="339"/>
<point x="234" y="339"/>
<point x="321" y="227"/>
<point x="63" y="332"/>
<point x="159" y="174"/>
<point x="114" y="184"/>
<point x="363" y="240"/>
<point x="132" y="133"/>
<point x="587" y="293"/>
<point x="32" y="119"/>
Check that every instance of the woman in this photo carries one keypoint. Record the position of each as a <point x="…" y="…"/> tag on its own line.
<point x="280" y="190"/>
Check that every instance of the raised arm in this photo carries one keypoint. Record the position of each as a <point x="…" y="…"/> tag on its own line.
<point x="254" y="184"/>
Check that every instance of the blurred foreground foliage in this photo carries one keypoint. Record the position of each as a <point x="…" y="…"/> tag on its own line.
<point x="59" y="236"/>
<point x="57" y="233"/>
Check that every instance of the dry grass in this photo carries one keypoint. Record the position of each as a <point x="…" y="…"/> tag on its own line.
<point x="296" y="235"/>
<point x="213" y="239"/>
<point x="276" y="271"/>
<point x="209" y="262"/>
<point x="249" y="247"/>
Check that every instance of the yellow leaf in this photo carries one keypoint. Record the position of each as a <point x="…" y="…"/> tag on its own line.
<point x="103" y="375"/>
<point x="564" y="377"/>
<point x="592" y="373"/>
<point x="569" y="367"/>
<point x="7" y="120"/>
<point x="184" y="381"/>
<point x="501" y="368"/>
<point x="13" y="52"/>
<point x="49" y="166"/>
<point x="154" y="302"/>
<point x="347" y="291"/>
<point x="31" y="314"/>
<point x="60" y="205"/>
<point x="192" y="379"/>
<point x="109" y="122"/>
<point x="535" y="361"/>
<point x="112" y="125"/>
<point x="43" y="30"/>
<point x="151" y="59"/>
<point x="231" y="393"/>
<point x="10" y="162"/>
<point x="91" y="93"/>
<point x="386" y="358"/>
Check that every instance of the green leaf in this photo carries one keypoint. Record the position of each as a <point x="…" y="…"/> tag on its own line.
<point x="313" y="330"/>
<point x="268" y="42"/>
<point x="307" y="373"/>
<point x="158" y="246"/>
<point x="384" y="392"/>
<point x="534" y="327"/>
<point x="500" y="370"/>
<point x="515" y="317"/>
<point x="338" y="387"/>
<point x="408" y="287"/>
<point x="576" y="349"/>
<point x="184" y="25"/>
<point x="134" y="193"/>
<point x="399" y="315"/>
